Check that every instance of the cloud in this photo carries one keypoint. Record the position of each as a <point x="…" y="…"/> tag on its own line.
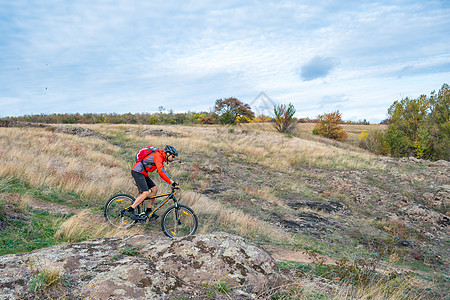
<point x="332" y="103"/>
<point x="317" y="67"/>
<point x="110" y="56"/>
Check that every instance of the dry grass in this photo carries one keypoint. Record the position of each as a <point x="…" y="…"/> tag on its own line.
<point x="267" y="194"/>
<point x="46" y="277"/>
<point x="85" y="225"/>
<point x="304" y="130"/>
<point x="395" y="289"/>
<point x="71" y="163"/>
<point x="15" y="202"/>
<point x="263" y="146"/>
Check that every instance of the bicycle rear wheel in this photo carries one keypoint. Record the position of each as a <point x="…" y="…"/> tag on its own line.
<point x="114" y="210"/>
<point x="179" y="221"/>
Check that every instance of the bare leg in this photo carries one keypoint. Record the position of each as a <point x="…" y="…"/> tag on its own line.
<point x="153" y="192"/>
<point x="139" y="199"/>
<point x="144" y="195"/>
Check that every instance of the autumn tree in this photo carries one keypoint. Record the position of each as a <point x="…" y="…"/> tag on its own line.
<point x="230" y="109"/>
<point x="329" y="126"/>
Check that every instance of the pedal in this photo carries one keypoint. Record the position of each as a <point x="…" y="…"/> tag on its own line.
<point x="141" y="220"/>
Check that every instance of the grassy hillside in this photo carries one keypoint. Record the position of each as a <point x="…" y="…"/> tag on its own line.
<point x="294" y="195"/>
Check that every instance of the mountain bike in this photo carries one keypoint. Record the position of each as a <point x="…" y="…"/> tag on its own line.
<point x="177" y="221"/>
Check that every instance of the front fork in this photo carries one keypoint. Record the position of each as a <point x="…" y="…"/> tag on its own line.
<point x="177" y="213"/>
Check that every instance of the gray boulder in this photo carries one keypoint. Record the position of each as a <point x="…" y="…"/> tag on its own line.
<point x="142" y="267"/>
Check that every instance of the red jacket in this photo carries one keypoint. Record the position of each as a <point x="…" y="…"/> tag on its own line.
<point x="152" y="162"/>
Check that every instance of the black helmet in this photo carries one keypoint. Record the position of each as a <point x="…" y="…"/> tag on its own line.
<point x="171" y="150"/>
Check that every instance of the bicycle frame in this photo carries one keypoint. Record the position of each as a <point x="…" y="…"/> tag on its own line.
<point x="170" y="195"/>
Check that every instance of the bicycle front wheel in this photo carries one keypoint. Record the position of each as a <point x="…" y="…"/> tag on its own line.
<point x="114" y="208"/>
<point x="179" y="221"/>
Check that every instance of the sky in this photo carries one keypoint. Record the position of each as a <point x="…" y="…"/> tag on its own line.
<point x="105" y="56"/>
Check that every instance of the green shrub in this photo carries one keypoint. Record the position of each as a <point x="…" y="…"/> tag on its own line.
<point x="130" y="250"/>
<point x="215" y="288"/>
<point x="374" y="142"/>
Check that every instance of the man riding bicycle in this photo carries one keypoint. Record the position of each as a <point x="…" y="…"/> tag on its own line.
<point x="146" y="186"/>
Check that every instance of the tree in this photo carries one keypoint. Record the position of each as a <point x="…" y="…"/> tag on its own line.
<point x="417" y="127"/>
<point x="439" y="122"/>
<point x="407" y="134"/>
<point x="284" y="117"/>
<point x="230" y="109"/>
<point x="329" y="126"/>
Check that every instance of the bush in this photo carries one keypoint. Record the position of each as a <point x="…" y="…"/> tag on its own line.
<point x="207" y="120"/>
<point x="329" y="126"/>
<point x="374" y="142"/>
<point x="284" y="117"/>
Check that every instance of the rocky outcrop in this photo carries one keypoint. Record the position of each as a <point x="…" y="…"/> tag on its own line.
<point x="139" y="267"/>
<point x="79" y="131"/>
<point x="158" y="132"/>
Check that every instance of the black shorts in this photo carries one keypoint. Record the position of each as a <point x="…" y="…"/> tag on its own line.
<point x="143" y="183"/>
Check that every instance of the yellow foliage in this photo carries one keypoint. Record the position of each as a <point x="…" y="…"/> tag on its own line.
<point x="363" y="135"/>
<point x="261" y="119"/>
<point x="243" y="119"/>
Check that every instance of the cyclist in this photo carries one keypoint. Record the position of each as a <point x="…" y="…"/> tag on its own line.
<point x="146" y="186"/>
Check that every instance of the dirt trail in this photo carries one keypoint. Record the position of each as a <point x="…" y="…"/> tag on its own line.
<point x="52" y="207"/>
<point x="280" y="253"/>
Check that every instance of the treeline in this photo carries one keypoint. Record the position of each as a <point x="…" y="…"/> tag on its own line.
<point x="160" y="118"/>
<point x="113" y="118"/>
<point x="416" y="127"/>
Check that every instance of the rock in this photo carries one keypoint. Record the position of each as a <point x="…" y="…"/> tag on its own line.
<point x="79" y="131"/>
<point x="212" y="190"/>
<point x="440" y="200"/>
<point x="160" y="269"/>
<point x="421" y="214"/>
<point x="412" y="159"/>
<point x="13" y="123"/>
<point x="158" y="132"/>
<point x="211" y="168"/>
<point x="439" y="163"/>
<point x="308" y="222"/>
<point x="129" y="131"/>
<point x="216" y="257"/>
<point x="329" y="207"/>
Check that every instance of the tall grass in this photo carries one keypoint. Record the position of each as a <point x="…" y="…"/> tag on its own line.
<point x="85" y="225"/>
<point x="395" y="289"/>
<point x="45" y="277"/>
<point x="74" y="164"/>
<point x="267" y="148"/>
